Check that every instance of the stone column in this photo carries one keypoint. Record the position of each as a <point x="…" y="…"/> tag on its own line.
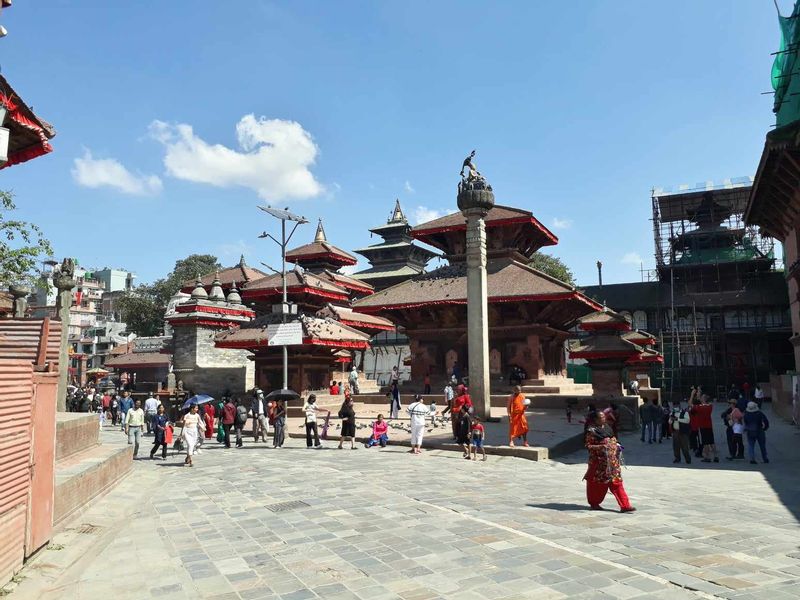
<point x="64" y="283"/>
<point x="478" y="312"/>
<point x="475" y="200"/>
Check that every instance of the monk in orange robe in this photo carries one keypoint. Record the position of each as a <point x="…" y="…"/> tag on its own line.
<point x="518" y="423"/>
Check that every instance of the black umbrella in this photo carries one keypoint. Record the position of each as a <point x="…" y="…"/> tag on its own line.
<point x="284" y="394"/>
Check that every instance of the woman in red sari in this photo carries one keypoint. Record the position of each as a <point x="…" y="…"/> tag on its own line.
<point x="208" y="417"/>
<point x="604" y="472"/>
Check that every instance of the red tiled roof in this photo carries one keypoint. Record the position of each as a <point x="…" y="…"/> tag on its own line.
<point x="238" y="273"/>
<point x="139" y="359"/>
<point x="348" y="282"/>
<point x="497" y="217"/>
<point x="316" y="331"/>
<point x="507" y="280"/>
<point x="296" y="281"/>
<point x="349" y="317"/>
<point x="316" y="250"/>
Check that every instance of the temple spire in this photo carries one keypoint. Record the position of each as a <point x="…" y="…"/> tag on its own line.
<point x="216" y="295"/>
<point x="320" y="235"/>
<point x="397" y="215"/>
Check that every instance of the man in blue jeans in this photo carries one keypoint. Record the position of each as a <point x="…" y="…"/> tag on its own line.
<point x="125" y="404"/>
<point x="755" y="426"/>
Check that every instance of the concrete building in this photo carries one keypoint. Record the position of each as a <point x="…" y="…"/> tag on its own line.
<point x="115" y="280"/>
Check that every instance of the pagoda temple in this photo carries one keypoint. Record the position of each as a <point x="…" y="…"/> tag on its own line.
<point x="240" y="274"/>
<point x="323" y="295"/>
<point x="397" y="257"/>
<point x="529" y="312"/>
<point x="611" y="346"/>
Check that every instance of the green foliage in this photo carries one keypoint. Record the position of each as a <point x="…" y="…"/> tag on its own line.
<point x="143" y="308"/>
<point x="552" y="266"/>
<point x="21" y="246"/>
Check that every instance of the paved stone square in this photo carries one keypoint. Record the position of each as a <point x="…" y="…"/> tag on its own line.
<point x="259" y="523"/>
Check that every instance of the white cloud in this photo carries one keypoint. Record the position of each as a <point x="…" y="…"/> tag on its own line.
<point x="273" y="159"/>
<point x="408" y="187"/>
<point x="348" y="269"/>
<point x="423" y="214"/>
<point x="107" y="172"/>
<point x="632" y="258"/>
<point x="561" y="223"/>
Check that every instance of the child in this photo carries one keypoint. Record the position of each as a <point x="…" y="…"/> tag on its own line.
<point x="477" y="434"/>
<point x="463" y="426"/>
<point x="432" y="412"/>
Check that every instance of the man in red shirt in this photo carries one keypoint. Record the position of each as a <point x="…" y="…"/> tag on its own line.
<point x="228" y="419"/>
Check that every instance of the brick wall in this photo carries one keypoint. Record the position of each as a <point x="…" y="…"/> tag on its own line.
<point x="75" y="492"/>
<point x="75" y="432"/>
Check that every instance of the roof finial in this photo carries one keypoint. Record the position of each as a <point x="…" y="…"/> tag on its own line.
<point x="217" y="295"/>
<point x="320" y="235"/>
<point x="199" y="292"/>
<point x="241" y="261"/>
<point x="233" y="295"/>
<point x="397" y="215"/>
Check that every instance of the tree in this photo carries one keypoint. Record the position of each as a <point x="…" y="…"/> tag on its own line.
<point x="553" y="266"/>
<point x="143" y="309"/>
<point x="21" y="245"/>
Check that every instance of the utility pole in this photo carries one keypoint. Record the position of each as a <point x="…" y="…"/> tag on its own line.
<point x="284" y="308"/>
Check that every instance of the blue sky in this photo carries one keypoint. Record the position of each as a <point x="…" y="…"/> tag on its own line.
<point x="576" y="109"/>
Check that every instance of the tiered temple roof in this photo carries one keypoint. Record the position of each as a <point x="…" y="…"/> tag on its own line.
<point x="320" y="255"/>
<point x="397" y="257"/>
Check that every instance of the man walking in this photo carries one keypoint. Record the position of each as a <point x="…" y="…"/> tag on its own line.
<point x="150" y="410"/>
<point x="352" y="379"/>
<point x="228" y="418"/>
<point x="134" y="422"/>
<point x="756" y="425"/>
<point x="125" y="404"/>
<point x="240" y="421"/>
<point x="259" y="410"/>
<point x="644" y="417"/>
<point x="679" y="422"/>
<point x="654" y="416"/>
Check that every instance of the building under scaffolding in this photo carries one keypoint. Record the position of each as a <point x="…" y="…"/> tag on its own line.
<point x="719" y="302"/>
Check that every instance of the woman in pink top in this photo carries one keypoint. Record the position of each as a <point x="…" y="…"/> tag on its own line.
<point x="379" y="435"/>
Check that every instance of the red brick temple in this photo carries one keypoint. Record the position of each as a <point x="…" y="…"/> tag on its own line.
<point x="323" y="296"/>
<point x="529" y="312"/>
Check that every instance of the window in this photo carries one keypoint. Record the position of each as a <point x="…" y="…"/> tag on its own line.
<point x="639" y="319"/>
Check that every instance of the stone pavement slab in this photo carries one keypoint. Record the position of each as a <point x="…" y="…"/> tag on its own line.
<point x="297" y="523"/>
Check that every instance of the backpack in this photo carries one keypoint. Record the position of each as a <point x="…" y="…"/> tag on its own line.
<point x="241" y="415"/>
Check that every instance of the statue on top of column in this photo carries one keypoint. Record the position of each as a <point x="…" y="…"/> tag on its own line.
<point x="473" y="180"/>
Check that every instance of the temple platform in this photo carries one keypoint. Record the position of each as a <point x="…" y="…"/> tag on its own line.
<point x="550" y="434"/>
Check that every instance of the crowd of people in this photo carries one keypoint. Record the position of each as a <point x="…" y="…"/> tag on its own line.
<point x="689" y="424"/>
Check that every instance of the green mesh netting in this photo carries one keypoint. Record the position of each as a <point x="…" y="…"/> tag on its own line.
<point x="784" y="82"/>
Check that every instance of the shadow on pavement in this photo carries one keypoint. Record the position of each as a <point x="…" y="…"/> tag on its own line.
<point x="561" y="506"/>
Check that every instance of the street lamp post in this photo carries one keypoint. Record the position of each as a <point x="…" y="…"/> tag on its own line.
<point x="285" y="310"/>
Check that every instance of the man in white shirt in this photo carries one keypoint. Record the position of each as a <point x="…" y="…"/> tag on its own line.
<point x="418" y="412"/>
<point x="258" y="408"/>
<point x="134" y="421"/>
<point x="150" y="410"/>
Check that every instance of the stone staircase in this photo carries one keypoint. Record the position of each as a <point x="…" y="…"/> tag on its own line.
<point x="84" y="467"/>
<point x="554" y="384"/>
